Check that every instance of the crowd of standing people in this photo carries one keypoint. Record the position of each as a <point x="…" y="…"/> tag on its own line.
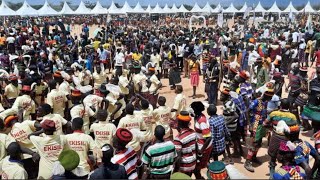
<point x="77" y="106"/>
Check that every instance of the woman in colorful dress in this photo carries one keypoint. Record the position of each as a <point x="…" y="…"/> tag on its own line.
<point x="194" y="66"/>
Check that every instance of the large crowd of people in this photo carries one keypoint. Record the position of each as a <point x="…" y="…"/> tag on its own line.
<point x="77" y="106"/>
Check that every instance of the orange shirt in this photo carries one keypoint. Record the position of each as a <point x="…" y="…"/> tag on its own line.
<point x="2" y="40"/>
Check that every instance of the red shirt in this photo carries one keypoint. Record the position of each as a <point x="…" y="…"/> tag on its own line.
<point x="317" y="54"/>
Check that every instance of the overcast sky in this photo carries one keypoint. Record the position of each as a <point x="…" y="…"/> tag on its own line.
<point x="225" y="3"/>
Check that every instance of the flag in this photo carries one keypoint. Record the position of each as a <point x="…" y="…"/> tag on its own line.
<point x="290" y="15"/>
<point x="247" y="11"/>
<point x="309" y="27"/>
<point x="220" y="20"/>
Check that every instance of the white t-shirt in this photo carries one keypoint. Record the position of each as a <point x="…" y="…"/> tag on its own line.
<point x="13" y="170"/>
<point x="82" y="144"/>
<point x="49" y="148"/>
<point x="119" y="59"/>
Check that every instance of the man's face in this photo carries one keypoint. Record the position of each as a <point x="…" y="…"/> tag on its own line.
<point x="40" y="112"/>
<point x="98" y="68"/>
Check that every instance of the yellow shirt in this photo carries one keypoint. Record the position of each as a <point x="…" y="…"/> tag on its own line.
<point x="135" y="125"/>
<point x="58" y="120"/>
<point x="49" y="148"/>
<point x="21" y="131"/>
<point x="154" y="83"/>
<point x="162" y="117"/>
<point x="136" y="56"/>
<point x="82" y="144"/>
<point x="96" y="44"/>
<point x="13" y="170"/>
<point x="27" y="104"/>
<point x="2" y="40"/>
<point x="5" y="141"/>
<point x="147" y="116"/>
<point x="84" y="113"/>
<point x="11" y="91"/>
<point x="57" y="99"/>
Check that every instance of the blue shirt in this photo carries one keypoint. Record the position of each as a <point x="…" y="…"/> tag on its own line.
<point x="241" y="109"/>
<point x="303" y="151"/>
<point x="219" y="132"/>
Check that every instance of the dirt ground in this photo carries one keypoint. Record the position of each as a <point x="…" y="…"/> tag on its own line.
<point x="262" y="171"/>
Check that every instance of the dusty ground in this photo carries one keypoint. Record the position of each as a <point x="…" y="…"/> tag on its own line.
<point x="262" y="171"/>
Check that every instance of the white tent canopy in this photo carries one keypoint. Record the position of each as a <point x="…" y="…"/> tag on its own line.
<point x="182" y="9"/>
<point x="98" y="9"/>
<point x="207" y="8"/>
<point x="157" y="9"/>
<point x="149" y="9"/>
<point x="231" y="9"/>
<point x="82" y="9"/>
<point x="290" y="8"/>
<point x="274" y="8"/>
<point x="308" y="8"/>
<point x="174" y="8"/>
<point x="196" y="8"/>
<point x="46" y="9"/>
<point x="138" y="9"/>
<point x="217" y="9"/>
<point x="66" y="10"/>
<point x="126" y="8"/>
<point x="259" y="8"/>
<point x="114" y="10"/>
<point x="26" y="10"/>
<point x="5" y="10"/>
<point x="166" y="9"/>
<point x="244" y="8"/>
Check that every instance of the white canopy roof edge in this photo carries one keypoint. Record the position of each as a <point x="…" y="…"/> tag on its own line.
<point x="126" y="7"/>
<point x="259" y="8"/>
<point x="5" y="10"/>
<point x="46" y="9"/>
<point x="156" y="10"/>
<point x="26" y="10"/>
<point x="114" y="10"/>
<point x="290" y="8"/>
<point x="99" y="9"/>
<point x="149" y="9"/>
<point x="182" y="9"/>
<point x="82" y="9"/>
<point x="244" y="8"/>
<point x="138" y="9"/>
<point x="231" y="9"/>
<point x="166" y="9"/>
<point x="207" y="8"/>
<point x="66" y="10"/>
<point x="274" y="8"/>
<point x="196" y="8"/>
<point x="174" y="8"/>
<point x="217" y="9"/>
<point x="308" y="8"/>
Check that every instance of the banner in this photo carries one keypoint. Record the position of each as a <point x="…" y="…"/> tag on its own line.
<point x="220" y="20"/>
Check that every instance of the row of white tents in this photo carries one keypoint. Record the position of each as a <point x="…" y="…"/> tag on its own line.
<point x="47" y="10"/>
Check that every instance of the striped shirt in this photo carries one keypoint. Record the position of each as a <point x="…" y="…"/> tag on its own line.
<point x="127" y="158"/>
<point x="160" y="157"/>
<point x="281" y="115"/>
<point x="186" y="143"/>
<point x="202" y="129"/>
